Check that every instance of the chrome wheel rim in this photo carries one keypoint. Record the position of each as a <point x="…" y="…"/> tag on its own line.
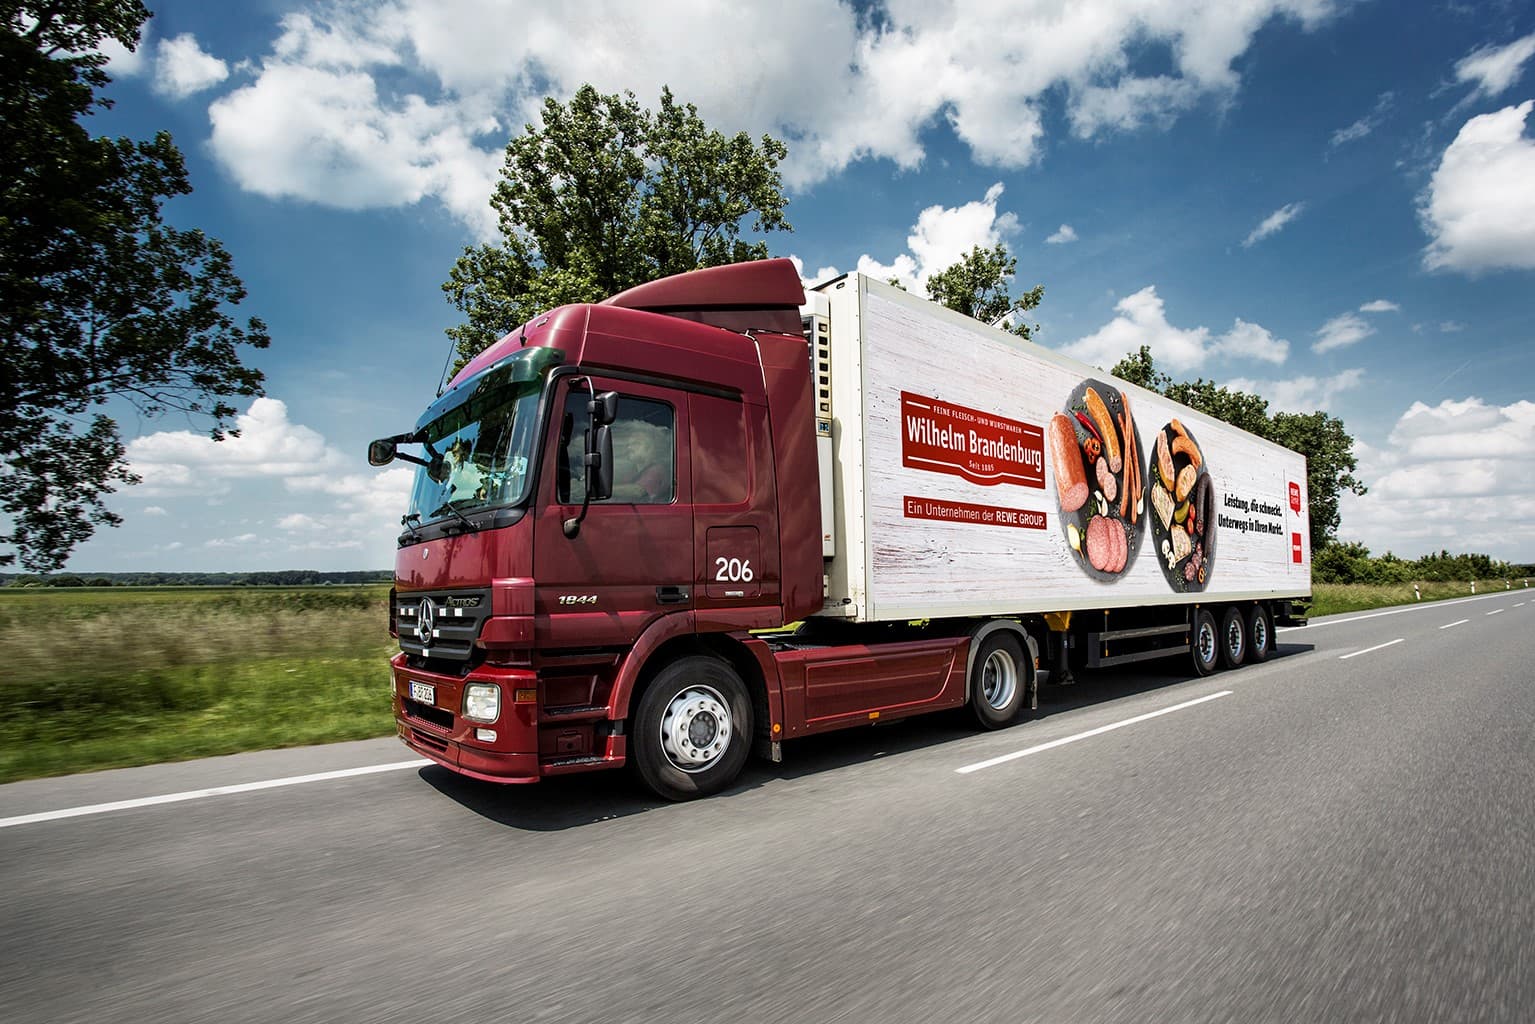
<point x="1234" y="639"/>
<point x="1260" y="633"/>
<point x="696" y="729"/>
<point x="999" y="680"/>
<point x="1204" y="642"/>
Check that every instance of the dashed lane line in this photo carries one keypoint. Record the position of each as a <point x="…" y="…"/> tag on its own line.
<point x="1015" y="755"/>
<point x="1377" y="647"/>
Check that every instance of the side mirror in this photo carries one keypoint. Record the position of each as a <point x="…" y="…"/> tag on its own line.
<point x="599" y="478"/>
<point x="380" y="453"/>
<point x="603" y="408"/>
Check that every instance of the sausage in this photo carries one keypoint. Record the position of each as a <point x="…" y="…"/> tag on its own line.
<point x="1106" y="481"/>
<point x="1100" y="414"/>
<point x="1120" y="543"/>
<point x="1065" y="456"/>
<point x="1097" y="542"/>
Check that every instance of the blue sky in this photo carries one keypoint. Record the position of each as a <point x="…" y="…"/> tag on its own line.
<point x="1331" y="203"/>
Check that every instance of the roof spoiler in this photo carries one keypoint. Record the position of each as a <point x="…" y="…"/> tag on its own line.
<point x="763" y="295"/>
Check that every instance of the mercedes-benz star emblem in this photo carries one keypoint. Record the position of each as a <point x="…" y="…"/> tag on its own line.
<point x="425" y="617"/>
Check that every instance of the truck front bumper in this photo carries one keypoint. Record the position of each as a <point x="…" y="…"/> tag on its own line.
<point x="505" y="750"/>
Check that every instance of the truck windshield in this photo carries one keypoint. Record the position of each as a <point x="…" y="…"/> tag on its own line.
<point x="483" y="431"/>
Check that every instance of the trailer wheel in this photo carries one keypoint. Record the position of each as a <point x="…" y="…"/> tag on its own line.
<point x="998" y="680"/>
<point x="693" y="729"/>
<point x="1233" y="638"/>
<point x="1260" y="634"/>
<point x="1204" y="643"/>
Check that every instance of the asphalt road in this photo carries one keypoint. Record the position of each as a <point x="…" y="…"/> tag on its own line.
<point x="1347" y="834"/>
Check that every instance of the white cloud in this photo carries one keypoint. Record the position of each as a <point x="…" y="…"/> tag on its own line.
<point x="941" y="237"/>
<point x="364" y="104"/>
<point x="1451" y="327"/>
<point x="1457" y="475"/>
<point x="1142" y="320"/>
<point x="1273" y="223"/>
<point x="1300" y="394"/>
<point x="337" y="495"/>
<point x="1365" y="125"/>
<point x="1479" y="208"/>
<point x="1341" y="331"/>
<point x="182" y="68"/>
<point x="269" y="447"/>
<point x="153" y="510"/>
<point x="1065" y="234"/>
<point x="327" y="136"/>
<point x="821" y="275"/>
<point x="1496" y="68"/>
<point x="1380" y="306"/>
<point x="123" y="62"/>
<point x="1249" y="341"/>
<point x="242" y="540"/>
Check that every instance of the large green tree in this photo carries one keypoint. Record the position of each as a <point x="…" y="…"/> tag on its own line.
<point x="100" y="298"/>
<point x="604" y="195"/>
<point x="977" y="287"/>
<point x="1322" y="438"/>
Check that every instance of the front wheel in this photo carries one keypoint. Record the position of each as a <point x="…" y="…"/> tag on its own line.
<point x="998" y="681"/>
<point x="693" y="729"/>
<point x="1204" y="643"/>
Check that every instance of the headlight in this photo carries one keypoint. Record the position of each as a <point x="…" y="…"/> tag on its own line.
<point x="482" y="702"/>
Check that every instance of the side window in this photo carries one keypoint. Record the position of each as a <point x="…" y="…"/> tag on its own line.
<point x="644" y="451"/>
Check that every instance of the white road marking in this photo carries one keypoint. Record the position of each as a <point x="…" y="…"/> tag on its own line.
<point x="1497" y="611"/>
<point x="1367" y="650"/>
<point x="967" y="769"/>
<point x="198" y="794"/>
<point x="1519" y="605"/>
<point x="1457" y="622"/>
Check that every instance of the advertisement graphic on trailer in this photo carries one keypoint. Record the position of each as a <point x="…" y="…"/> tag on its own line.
<point x="1010" y="478"/>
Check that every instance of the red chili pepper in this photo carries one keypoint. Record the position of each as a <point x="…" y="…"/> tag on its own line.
<point x="1092" y="448"/>
<point x="1082" y="419"/>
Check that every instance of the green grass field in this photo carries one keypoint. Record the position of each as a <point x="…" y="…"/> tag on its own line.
<point x="111" y="677"/>
<point x="1332" y="598"/>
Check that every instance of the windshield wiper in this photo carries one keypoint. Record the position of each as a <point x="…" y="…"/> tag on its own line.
<point x="448" y="507"/>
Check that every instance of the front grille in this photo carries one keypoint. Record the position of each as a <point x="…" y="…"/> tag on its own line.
<point x="437" y="716"/>
<point x="457" y="616"/>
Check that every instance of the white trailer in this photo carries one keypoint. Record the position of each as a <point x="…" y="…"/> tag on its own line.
<point x="974" y="474"/>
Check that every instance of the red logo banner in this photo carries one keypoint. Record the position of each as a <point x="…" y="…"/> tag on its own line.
<point x="985" y="449"/>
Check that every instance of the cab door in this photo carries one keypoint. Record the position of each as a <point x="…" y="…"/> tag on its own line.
<point x="632" y="559"/>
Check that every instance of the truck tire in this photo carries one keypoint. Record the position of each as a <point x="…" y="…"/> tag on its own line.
<point x="1204" y="643"/>
<point x="1234" y="643"/>
<point x="1260" y="634"/>
<point x="693" y="729"/>
<point x="998" y="680"/>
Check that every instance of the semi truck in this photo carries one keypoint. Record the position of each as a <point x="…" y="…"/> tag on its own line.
<point x="716" y="512"/>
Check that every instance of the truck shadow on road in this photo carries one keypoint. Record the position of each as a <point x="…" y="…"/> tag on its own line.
<point x="573" y="801"/>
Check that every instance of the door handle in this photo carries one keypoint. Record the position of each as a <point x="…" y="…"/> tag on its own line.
<point x="671" y="595"/>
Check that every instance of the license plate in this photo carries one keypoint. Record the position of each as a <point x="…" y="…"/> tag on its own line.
<point x="426" y="693"/>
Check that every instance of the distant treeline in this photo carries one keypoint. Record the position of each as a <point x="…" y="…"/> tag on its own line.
<point x="1352" y="563"/>
<point x="283" y="578"/>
